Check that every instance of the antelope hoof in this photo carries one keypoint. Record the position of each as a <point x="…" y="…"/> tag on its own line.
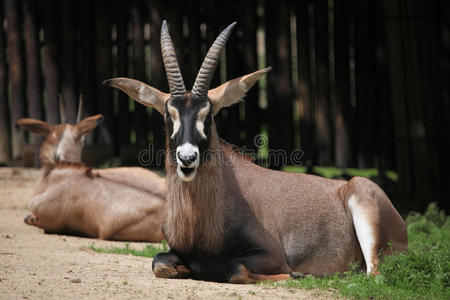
<point x="297" y="275"/>
<point x="164" y="271"/>
<point x="30" y="220"/>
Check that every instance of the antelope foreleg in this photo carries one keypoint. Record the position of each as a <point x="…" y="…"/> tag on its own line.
<point x="169" y="265"/>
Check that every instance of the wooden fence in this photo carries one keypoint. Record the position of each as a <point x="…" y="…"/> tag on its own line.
<point x="355" y="83"/>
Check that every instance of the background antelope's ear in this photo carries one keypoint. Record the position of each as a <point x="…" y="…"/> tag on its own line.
<point x="88" y="124"/>
<point x="234" y="90"/>
<point x="141" y="92"/>
<point x="35" y="126"/>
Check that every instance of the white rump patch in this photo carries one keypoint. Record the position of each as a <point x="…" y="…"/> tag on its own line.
<point x="364" y="232"/>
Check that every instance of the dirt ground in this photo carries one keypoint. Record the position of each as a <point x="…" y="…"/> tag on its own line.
<point x="34" y="265"/>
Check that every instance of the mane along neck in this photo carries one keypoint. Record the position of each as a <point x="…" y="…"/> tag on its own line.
<point x="195" y="213"/>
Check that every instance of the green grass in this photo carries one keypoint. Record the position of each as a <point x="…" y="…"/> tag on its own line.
<point x="331" y="172"/>
<point x="148" y="251"/>
<point x="423" y="272"/>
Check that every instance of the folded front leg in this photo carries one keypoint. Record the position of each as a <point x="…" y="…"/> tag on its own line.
<point x="256" y="268"/>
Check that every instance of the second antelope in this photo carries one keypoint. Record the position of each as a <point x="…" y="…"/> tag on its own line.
<point x="230" y="220"/>
<point x="115" y="204"/>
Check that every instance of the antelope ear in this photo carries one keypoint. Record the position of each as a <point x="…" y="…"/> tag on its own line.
<point x="141" y="92"/>
<point x="88" y="124"/>
<point x="234" y="90"/>
<point x="35" y="126"/>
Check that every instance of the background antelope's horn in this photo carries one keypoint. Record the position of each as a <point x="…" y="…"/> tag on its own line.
<point x="80" y="108"/>
<point x="204" y="76"/>
<point x="176" y="84"/>
<point x="62" y="110"/>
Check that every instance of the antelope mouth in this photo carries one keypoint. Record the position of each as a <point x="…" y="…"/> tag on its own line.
<point x="186" y="173"/>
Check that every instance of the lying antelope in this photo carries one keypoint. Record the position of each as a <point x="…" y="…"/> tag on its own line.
<point x="114" y="204"/>
<point x="229" y="220"/>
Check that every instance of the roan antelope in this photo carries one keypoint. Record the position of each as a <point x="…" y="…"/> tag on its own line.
<point x="114" y="204"/>
<point x="229" y="220"/>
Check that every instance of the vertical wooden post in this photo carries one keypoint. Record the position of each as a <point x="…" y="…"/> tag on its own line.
<point x="305" y="93"/>
<point x="16" y="75"/>
<point x="33" y="67"/>
<point x="322" y="106"/>
<point x="193" y="55"/>
<point x="279" y="89"/>
<point x="250" y="64"/>
<point x="50" y="13"/>
<point x="234" y="61"/>
<point x="158" y="77"/>
<point x="140" y="111"/>
<point x="103" y="58"/>
<point x="5" y="142"/>
<point x="344" y="114"/>
<point x="365" y="67"/>
<point x="68" y="61"/>
<point x="122" y="17"/>
<point x="87" y="71"/>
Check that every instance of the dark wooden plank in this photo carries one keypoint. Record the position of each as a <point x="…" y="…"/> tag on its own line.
<point x="50" y="13"/>
<point x="5" y="142"/>
<point x="103" y="59"/>
<point x="157" y="79"/>
<point x="322" y="106"/>
<point x="69" y="84"/>
<point x="279" y="89"/>
<point x="249" y="23"/>
<point x="140" y="112"/>
<point x="305" y="88"/>
<point x="33" y="63"/>
<point x="122" y="19"/>
<point x="87" y="59"/>
<point x="344" y="117"/>
<point x="16" y="73"/>
<point x="366" y="101"/>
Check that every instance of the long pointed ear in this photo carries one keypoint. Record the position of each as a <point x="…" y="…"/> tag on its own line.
<point x="141" y="92"/>
<point x="35" y="126"/>
<point x="88" y="124"/>
<point x="234" y="90"/>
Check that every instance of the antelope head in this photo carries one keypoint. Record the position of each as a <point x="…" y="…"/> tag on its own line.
<point x="189" y="115"/>
<point x="63" y="142"/>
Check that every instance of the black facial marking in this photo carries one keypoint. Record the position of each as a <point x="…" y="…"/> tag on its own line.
<point x="188" y="109"/>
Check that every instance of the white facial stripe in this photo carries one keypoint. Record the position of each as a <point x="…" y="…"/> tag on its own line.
<point x="67" y="148"/>
<point x="200" y="123"/>
<point x="175" y="119"/>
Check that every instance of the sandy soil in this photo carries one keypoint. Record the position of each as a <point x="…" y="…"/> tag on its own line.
<point x="34" y="265"/>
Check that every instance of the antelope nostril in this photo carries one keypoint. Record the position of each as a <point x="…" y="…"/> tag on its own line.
<point x="187" y="159"/>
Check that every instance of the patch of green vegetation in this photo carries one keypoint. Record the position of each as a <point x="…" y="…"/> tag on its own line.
<point x="330" y="172"/>
<point x="148" y="251"/>
<point x="423" y="272"/>
<point x="110" y="163"/>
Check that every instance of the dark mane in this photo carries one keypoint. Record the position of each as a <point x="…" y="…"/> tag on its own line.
<point x="61" y="164"/>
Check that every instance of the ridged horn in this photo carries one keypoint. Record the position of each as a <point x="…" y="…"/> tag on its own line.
<point x="62" y="110"/>
<point x="176" y="84"/>
<point x="80" y="108"/>
<point x="204" y="76"/>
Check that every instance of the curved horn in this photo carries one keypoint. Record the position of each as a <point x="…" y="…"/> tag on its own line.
<point x="204" y="76"/>
<point x="62" y="110"/>
<point x="176" y="84"/>
<point x="80" y="108"/>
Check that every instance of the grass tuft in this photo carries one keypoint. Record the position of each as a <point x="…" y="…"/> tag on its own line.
<point x="148" y="251"/>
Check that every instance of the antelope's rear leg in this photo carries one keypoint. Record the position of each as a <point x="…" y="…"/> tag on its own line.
<point x="31" y="220"/>
<point x="169" y="265"/>
<point x="244" y="275"/>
